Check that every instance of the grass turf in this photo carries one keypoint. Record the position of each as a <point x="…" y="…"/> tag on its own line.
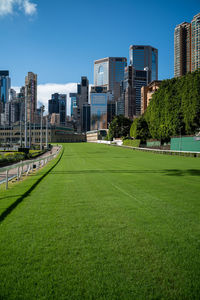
<point x="105" y="223"/>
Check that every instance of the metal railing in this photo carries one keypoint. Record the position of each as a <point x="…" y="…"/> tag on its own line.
<point x="161" y="151"/>
<point x="25" y="167"/>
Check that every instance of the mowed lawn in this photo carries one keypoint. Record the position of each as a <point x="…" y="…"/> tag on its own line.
<point x="105" y="223"/>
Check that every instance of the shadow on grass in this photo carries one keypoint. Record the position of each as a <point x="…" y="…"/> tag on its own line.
<point x="168" y="172"/>
<point x="27" y="193"/>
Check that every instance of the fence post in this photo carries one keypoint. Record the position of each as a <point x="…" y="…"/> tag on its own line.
<point x="6" y="179"/>
<point x="18" y="173"/>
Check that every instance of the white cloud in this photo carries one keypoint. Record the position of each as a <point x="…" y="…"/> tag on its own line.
<point x="10" y="6"/>
<point x="29" y="8"/>
<point x="44" y="92"/>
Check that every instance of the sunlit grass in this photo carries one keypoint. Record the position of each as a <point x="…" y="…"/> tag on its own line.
<point x="105" y="223"/>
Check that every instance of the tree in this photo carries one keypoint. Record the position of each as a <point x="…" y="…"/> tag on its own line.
<point x="119" y="127"/>
<point x="139" y="129"/>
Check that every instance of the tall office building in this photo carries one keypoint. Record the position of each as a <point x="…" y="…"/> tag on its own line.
<point x="31" y="96"/>
<point x="109" y="72"/>
<point x="145" y="57"/>
<point x="195" y="43"/>
<point x="57" y="105"/>
<point x="99" y="99"/>
<point x="144" y="60"/>
<point x="182" y="49"/>
<point x="86" y="117"/>
<point x="187" y="47"/>
<point x="4" y="89"/>
<point x="81" y="100"/>
<point x="129" y="93"/>
<point x="73" y="102"/>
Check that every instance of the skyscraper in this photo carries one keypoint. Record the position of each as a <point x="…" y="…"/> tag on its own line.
<point x="109" y="72"/>
<point x="144" y="60"/>
<point x="129" y="93"/>
<point x="195" y="43"/>
<point x="182" y="49"/>
<point x="31" y="96"/>
<point x="82" y="99"/>
<point x="4" y="89"/>
<point x="187" y="47"/>
<point x="73" y="102"/>
<point x="57" y="105"/>
<point x="142" y="57"/>
<point x="99" y="99"/>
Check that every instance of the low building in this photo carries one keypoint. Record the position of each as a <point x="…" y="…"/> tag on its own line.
<point x="147" y="93"/>
<point x="15" y="134"/>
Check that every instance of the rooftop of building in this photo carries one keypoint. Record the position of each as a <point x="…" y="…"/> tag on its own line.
<point x="110" y="58"/>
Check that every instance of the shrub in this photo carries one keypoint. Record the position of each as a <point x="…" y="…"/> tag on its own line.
<point x="132" y="143"/>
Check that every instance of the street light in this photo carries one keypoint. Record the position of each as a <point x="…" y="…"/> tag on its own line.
<point x="46" y="131"/>
<point x="42" y="110"/>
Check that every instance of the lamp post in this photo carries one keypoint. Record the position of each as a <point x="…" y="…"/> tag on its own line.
<point x="46" y="131"/>
<point x="25" y="124"/>
<point x="42" y="110"/>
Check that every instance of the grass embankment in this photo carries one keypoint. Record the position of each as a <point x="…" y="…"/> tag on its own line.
<point x="105" y="223"/>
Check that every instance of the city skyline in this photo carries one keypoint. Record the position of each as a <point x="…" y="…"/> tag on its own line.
<point x="61" y="52"/>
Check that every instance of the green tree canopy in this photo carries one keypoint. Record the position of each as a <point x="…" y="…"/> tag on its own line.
<point x="175" y="107"/>
<point x="120" y="126"/>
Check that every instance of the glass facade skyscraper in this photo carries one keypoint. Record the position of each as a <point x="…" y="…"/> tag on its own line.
<point x="4" y="88"/>
<point x="73" y="102"/>
<point x="144" y="60"/>
<point x="109" y="72"/>
<point x="142" y="57"/>
<point x="99" y="98"/>
<point x="57" y="105"/>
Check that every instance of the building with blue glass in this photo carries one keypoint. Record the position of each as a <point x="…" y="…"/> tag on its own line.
<point x="109" y="72"/>
<point x="57" y="105"/>
<point x="4" y="89"/>
<point x="73" y="102"/>
<point x="99" y="100"/>
<point x="145" y="57"/>
<point x="144" y="60"/>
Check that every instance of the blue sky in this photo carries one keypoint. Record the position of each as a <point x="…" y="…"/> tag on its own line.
<point x="59" y="40"/>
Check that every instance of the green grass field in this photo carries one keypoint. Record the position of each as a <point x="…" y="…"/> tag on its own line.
<point x="103" y="223"/>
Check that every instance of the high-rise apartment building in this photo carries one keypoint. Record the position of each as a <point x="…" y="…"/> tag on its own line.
<point x="109" y="72"/>
<point x="4" y="89"/>
<point x="182" y="49"/>
<point x="195" y="43"/>
<point x="187" y="47"/>
<point x="31" y="96"/>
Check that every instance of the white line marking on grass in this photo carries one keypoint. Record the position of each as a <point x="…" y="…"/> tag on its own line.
<point x="125" y="193"/>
